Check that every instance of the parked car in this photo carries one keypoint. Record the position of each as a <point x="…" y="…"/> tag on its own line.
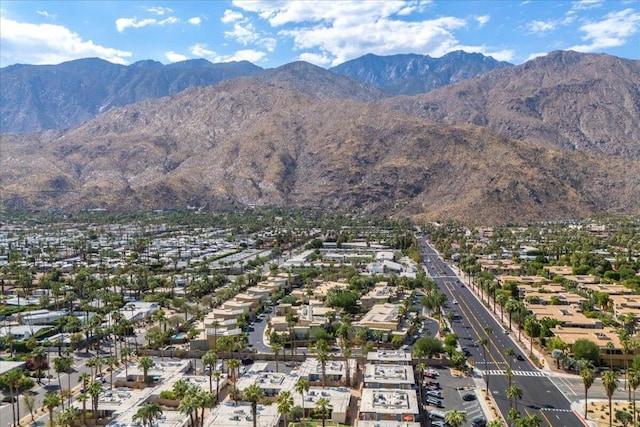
<point x="434" y="402"/>
<point x="468" y="397"/>
<point x="479" y="422"/>
<point x="434" y="393"/>
<point x="520" y="357"/>
<point x="432" y="384"/>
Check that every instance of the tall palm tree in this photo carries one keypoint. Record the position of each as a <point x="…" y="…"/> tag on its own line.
<point x="112" y="361"/>
<point x="455" y="418"/>
<point x="148" y="413"/>
<point x="610" y="383"/>
<point x="51" y="401"/>
<point x="484" y="343"/>
<point x="233" y="365"/>
<point x="217" y="375"/>
<point x="209" y="360"/>
<point x="302" y="387"/>
<point x="253" y="394"/>
<point x="125" y="354"/>
<point x="285" y="405"/>
<point x="588" y="377"/>
<point x="323" y="408"/>
<point x="145" y="363"/>
<point x="188" y="406"/>
<point x="95" y="388"/>
<point x="634" y="382"/>
<point x="276" y="347"/>
<point x="204" y="399"/>
<point x="10" y="381"/>
<point x="514" y="393"/>
<point x="39" y="359"/>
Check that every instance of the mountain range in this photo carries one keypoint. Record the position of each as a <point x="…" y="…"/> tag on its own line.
<point x="556" y="137"/>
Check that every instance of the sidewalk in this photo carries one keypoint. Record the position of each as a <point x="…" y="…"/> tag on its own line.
<point x="523" y="345"/>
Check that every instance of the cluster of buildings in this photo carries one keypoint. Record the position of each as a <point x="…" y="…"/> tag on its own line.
<point x="546" y="299"/>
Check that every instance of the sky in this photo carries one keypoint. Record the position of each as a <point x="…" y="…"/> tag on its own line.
<point x="324" y="32"/>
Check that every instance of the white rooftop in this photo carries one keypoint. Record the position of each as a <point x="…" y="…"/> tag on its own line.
<point x="381" y="401"/>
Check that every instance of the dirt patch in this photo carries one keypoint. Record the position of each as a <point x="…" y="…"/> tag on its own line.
<point x="599" y="412"/>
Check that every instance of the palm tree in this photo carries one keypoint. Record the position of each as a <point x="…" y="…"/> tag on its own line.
<point x="51" y="401"/>
<point x="302" y="387"/>
<point x="347" y="354"/>
<point x="455" y="418"/>
<point x="588" y="377"/>
<point x="634" y="382"/>
<point x="67" y="416"/>
<point x="209" y="360"/>
<point x="610" y="383"/>
<point x="39" y="358"/>
<point x="148" y="413"/>
<point x="253" y="394"/>
<point x="145" y="363"/>
<point x="125" y="354"/>
<point x="323" y="408"/>
<point x="514" y="392"/>
<point x="276" y="347"/>
<point x="204" y="399"/>
<point x="217" y="375"/>
<point x="95" y="388"/>
<point x="111" y="362"/>
<point x="233" y="365"/>
<point x="484" y="343"/>
<point x="511" y="353"/>
<point x="188" y="406"/>
<point x="285" y="405"/>
<point x="11" y="381"/>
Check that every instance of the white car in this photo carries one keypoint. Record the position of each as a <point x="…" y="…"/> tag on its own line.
<point x="455" y="301"/>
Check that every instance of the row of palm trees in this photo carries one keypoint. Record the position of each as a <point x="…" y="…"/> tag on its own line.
<point x="610" y="382"/>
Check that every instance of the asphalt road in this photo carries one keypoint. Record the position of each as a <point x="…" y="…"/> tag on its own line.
<point x="540" y="395"/>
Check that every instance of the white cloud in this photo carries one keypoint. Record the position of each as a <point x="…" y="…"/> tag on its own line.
<point x="482" y="20"/>
<point x="124" y="23"/>
<point x="315" y="58"/>
<point x="499" y="55"/>
<point x="541" y="26"/>
<point x="245" y="33"/>
<point x="46" y="14"/>
<point x="614" y="30"/>
<point x="536" y="55"/>
<point x="201" y="50"/>
<point x="586" y="4"/>
<point x="231" y="16"/>
<point x="195" y="20"/>
<point x="49" y="44"/>
<point x="358" y="27"/>
<point x="175" y="57"/>
<point x="158" y="10"/>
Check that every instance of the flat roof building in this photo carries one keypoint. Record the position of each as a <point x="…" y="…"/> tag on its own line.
<point x="393" y="357"/>
<point x="391" y="405"/>
<point x="388" y="376"/>
<point x="339" y="398"/>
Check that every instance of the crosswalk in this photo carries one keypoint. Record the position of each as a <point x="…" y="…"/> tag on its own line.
<point x="515" y="373"/>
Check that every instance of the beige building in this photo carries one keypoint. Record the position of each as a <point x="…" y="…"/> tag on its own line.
<point x="388" y="405"/>
<point x="339" y="399"/>
<point x="611" y="351"/>
<point x="388" y="376"/>
<point x="391" y="357"/>
<point x="567" y="315"/>
<point x="335" y="371"/>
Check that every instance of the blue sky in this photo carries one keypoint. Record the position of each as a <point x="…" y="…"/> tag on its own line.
<point x="326" y="33"/>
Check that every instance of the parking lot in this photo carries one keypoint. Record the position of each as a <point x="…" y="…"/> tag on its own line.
<point x="452" y="389"/>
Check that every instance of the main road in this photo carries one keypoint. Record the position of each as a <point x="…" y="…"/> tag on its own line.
<point x="540" y="395"/>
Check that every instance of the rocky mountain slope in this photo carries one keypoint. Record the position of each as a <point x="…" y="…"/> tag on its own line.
<point x="36" y="98"/>
<point x="565" y="100"/>
<point x="412" y="74"/>
<point x="254" y="142"/>
<point x="43" y="97"/>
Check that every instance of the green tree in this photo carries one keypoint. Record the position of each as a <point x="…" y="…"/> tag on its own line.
<point x="285" y="405"/>
<point x="588" y="377"/>
<point x="253" y="394"/>
<point x="234" y="365"/>
<point x="209" y="360"/>
<point x="323" y="409"/>
<point x="145" y="363"/>
<point x="514" y="393"/>
<point x="634" y="382"/>
<point x="302" y="387"/>
<point x="610" y="383"/>
<point x="51" y="401"/>
<point x="147" y="414"/>
<point x="584" y="349"/>
<point x="455" y="418"/>
<point x="624" y="418"/>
